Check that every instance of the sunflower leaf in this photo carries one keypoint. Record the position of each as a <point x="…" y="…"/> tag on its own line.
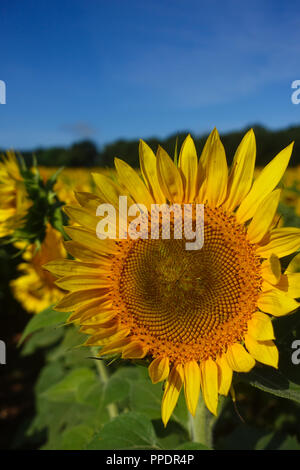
<point x="47" y="318"/>
<point x="192" y="446"/>
<point x="67" y="389"/>
<point x="129" y="431"/>
<point x="274" y="382"/>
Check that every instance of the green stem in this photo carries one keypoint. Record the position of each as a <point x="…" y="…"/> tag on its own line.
<point x="202" y="425"/>
<point x="102" y="372"/>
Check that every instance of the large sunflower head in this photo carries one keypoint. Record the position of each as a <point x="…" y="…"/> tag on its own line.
<point x="14" y="200"/>
<point x="196" y="315"/>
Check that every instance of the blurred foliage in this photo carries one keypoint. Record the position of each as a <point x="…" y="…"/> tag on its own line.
<point x="73" y="398"/>
<point x="86" y="153"/>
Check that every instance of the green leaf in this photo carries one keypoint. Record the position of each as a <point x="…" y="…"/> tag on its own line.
<point x="66" y="389"/>
<point x="129" y="431"/>
<point x="41" y="339"/>
<point x="129" y="372"/>
<point x="90" y="393"/>
<point x="47" y="318"/>
<point x="277" y="441"/>
<point x="69" y="349"/>
<point x="116" y="390"/>
<point x="171" y="436"/>
<point x="192" y="446"/>
<point x="244" y="437"/>
<point x="76" y="437"/>
<point x="285" y="381"/>
<point x="57" y="417"/>
<point x="272" y="381"/>
<point x="146" y="398"/>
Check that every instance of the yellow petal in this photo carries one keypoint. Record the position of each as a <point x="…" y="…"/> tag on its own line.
<point x="108" y="340"/>
<point x="271" y="269"/>
<point x="76" y="299"/>
<point x="238" y="358"/>
<point x="263" y="217"/>
<point x="241" y="174"/>
<point x="90" y="309"/>
<point x="192" y="381"/>
<point x="134" y="350"/>
<point x="81" y="282"/>
<point x="104" y="308"/>
<point x="290" y="284"/>
<point x="171" y="393"/>
<point x="82" y="252"/>
<point x="90" y="239"/>
<point x="202" y="166"/>
<point x="114" y="347"/>
<point x="159" y="369"/>
<point x="209" y="384"/>
<point x="100" y="319"/>
<point x="276" y="303"/>
<point x="188" y="164"/>
<point x="263" y="351"/>
<point x="169" y="177"/>
<point x="149" y="172"/>
<point x="205" y="155"/>
<point x="260" y="327"/>
<point x="89" y="201"/>
<point x="224" y="375"/>
<point x="129" y="178"/>
<point x="109" y="190"/>
<point x="216" y="174"/>
<point x="82" y="217"/>
<point x="100" y="335"/>
<point x="264" y="184"/>
<point x="294" y="264"/>
<point x="70" y="267"/>
<point x="281" y="242"/>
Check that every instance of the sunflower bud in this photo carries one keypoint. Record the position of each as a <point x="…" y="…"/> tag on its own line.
<point x="29" y="202"/>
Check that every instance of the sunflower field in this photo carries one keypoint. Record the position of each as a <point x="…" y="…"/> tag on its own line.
<point x="134" y="342"/>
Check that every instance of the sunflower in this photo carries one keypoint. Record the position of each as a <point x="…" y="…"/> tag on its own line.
<point x="196" y="316"/>
<point x="35" y="289"/>
<point x="14" y="201"/>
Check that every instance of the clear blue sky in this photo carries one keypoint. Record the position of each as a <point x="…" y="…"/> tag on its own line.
<point x="129" y="69"/>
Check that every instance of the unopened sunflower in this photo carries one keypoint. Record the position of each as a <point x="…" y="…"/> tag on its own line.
<point x="14" y="201"/>
<point x="198" y="315"/>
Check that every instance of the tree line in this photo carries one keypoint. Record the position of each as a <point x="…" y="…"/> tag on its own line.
<point x="86" y="153"/>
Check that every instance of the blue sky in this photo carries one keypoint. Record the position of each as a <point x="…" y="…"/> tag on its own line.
<point x="134" y="69"/>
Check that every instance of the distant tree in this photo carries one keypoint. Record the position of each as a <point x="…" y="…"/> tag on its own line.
<point x="85" y="153"/>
